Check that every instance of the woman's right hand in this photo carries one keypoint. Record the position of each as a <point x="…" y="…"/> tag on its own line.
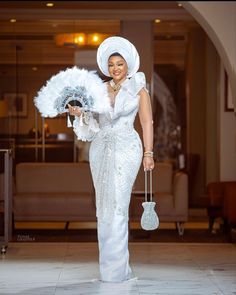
<point x="74" y="111"/>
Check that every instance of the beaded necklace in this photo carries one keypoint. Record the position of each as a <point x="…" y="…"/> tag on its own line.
<point x="115" y="87"/>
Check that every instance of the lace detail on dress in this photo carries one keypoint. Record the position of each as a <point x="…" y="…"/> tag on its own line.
<point x="115" y="156"/>
<point x="122" y="211"/>
<point x="85" y="126"/>
<point x="105" y="190"/>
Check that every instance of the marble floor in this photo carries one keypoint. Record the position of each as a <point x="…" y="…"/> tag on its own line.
<point x="159" y="268"/>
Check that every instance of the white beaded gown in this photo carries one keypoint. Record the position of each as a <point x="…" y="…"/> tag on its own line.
<point x="115" y="156"/>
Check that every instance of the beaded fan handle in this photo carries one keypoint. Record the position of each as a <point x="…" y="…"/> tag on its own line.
<point x="146" y="181"/>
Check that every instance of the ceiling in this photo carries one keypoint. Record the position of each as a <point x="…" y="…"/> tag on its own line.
<point x="89" y="5"/>
<point x="36" y="25"/>
<point x="76" y="10"/>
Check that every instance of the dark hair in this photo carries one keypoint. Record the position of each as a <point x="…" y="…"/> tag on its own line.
<point x="116" y="54"/>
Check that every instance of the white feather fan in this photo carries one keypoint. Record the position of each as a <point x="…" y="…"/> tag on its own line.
<point x="72" y="84"/>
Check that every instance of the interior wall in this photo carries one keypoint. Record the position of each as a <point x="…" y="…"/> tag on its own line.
<point x="212" y="109"/>
<point x="227" y="136"/>
<point x="30" y="83"/>
<point x="139" y="33"/>
<point x="196" y="110"/>
<point x="218" y="19"/>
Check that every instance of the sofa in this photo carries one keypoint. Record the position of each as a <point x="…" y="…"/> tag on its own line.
<point x="65" y="192"/>
<point x="54" y="192"/>
<point x="230" y="204"/>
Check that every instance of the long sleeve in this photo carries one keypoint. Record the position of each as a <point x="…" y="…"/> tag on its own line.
<point x="86" y="126"/>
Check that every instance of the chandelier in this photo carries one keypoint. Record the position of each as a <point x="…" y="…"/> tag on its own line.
<point x="89" y="40"/>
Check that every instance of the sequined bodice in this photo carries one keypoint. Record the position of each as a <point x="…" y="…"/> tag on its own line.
<point x="116" y="149"/>
<point x="116" y="153"/>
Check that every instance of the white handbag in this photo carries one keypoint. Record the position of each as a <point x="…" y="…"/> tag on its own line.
<point x="149" y="218"/>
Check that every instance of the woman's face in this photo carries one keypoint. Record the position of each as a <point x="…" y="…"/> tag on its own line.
<point x="117" y="68"/>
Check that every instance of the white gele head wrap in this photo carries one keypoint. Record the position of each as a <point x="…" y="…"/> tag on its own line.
<point x="124" y="47"/>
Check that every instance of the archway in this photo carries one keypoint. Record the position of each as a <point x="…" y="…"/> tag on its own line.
<point x="218" y="19"/>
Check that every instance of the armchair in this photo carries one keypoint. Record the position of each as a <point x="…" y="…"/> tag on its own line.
<point x="230" y="203"/>
<point x="221" y="202"/>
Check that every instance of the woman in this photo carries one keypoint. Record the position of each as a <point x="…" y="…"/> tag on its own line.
<point x="116" y="152"/>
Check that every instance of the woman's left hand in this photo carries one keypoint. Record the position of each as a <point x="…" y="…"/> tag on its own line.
<point x="148" y="163"/>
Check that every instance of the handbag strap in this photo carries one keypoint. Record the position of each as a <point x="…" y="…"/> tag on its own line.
<point x="145" y="171"/>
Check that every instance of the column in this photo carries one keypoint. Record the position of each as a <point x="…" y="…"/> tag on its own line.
<point x="140" y="33"/>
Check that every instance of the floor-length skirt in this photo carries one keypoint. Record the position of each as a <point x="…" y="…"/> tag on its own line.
<point x="113" y="250"/>
<point x="113" y="235"/>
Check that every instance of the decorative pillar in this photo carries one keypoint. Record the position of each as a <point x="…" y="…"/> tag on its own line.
<point x="140" y="33"/>
<point x="196" y="113"/>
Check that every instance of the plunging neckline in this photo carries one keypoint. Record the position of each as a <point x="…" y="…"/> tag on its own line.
<point x="115" y="99"/>
<point x="117" y="95"/>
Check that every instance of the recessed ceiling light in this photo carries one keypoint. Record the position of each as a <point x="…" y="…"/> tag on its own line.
<point x="157" y="21"/>
<point x="50" y="4"/>
<point x="180" y="5"/>
<point x="13" y="20"/>
<point x="95" y="38"/>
